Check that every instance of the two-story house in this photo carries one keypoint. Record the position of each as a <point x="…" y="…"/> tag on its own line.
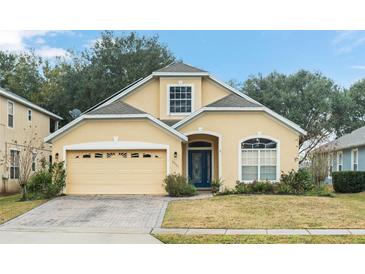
<point x="22" y="123"/>
<point x="180" y="119"/>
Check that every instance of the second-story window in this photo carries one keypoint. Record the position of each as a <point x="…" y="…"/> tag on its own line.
<point x="180" y="99"/>
<point x="29" y="115"/>
<point x="10" y="114"/>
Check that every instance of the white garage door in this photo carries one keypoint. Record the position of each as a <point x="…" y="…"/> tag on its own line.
<point x="116" y="172"/>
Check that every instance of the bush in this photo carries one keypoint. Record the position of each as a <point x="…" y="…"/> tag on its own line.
<point x="47" y="182"/>
<point x="216" y="185"/>
<point x="256" y="187"/>
<point x="177" y="185"/>
<point x="295" y="182"/>
<point x="348" y="181"/>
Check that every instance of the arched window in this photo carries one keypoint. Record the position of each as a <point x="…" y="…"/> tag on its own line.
<point x="259" y="159"/>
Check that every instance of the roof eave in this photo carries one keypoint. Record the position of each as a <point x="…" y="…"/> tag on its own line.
<point x="28" y="104"/>
<point x="228" y="109"/>
<point x="70" y="125"/>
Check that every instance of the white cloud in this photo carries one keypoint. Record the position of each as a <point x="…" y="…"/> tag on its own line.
<point x="361" y="67"/>
<point x="48" y="52"/>
<point x="16" y="41"/>
<point x="347" y="41"/>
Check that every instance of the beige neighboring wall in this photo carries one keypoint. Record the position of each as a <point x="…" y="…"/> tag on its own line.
<point x="235" y="126"/>
<point x="134" y="130"/>
<point x="20" y="133"/>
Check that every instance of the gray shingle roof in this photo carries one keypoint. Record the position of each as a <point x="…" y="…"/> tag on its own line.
<point x="353" y="139"/>
<point x="170" y="123"/>
<point x="117" y="107"/>
<point x="233" y="100"/>
<point x="180" y="67"/>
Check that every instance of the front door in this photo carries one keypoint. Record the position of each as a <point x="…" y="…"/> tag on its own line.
<point x="200" y="167"/>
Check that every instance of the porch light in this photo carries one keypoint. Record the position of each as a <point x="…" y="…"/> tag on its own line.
<point x="175" y="154"/>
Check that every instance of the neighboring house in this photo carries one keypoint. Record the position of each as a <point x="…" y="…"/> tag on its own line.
<point x="180" y="119"/>
<point x="21" y="121"/>
<point x="346" y="152"/>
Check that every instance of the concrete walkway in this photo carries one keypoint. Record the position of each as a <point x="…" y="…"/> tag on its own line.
<point x="199" y="231"/>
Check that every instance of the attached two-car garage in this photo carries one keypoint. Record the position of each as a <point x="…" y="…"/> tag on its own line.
<point x="124" y="171"/>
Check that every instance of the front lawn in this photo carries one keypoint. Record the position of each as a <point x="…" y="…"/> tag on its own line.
<point x="258" y="239"/>
<point x="11" y="207"/>
<point x="268" y="211"/>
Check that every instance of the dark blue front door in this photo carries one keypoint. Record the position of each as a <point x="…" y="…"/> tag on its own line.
<point x="200" y="167"/>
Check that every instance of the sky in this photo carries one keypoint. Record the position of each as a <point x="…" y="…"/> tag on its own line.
<point x="229" y="55"/>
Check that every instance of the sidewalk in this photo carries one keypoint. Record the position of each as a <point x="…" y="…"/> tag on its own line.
<point x="199" y="231"/>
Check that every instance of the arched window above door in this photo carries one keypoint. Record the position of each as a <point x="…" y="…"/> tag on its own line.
<point x="200" y="144"/>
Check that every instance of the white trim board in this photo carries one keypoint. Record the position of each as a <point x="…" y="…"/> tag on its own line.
<point x="227" y="109"/>
<point x="28" y="104"/>
<point x="75" y="122"/>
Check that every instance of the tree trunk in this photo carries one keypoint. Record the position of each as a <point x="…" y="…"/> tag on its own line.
<point x="24" y="193"/>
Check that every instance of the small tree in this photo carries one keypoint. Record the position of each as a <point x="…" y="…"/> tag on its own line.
<point x="28" y="151"/>
<point x="319" y="167"/>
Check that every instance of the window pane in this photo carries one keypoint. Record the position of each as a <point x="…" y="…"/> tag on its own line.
<point x="267" y="172"/>
<point x="249" y="173"/>
<point x="10" y="120"/>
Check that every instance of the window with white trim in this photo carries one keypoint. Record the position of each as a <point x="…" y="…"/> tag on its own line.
<point x="355" y="159"/>
<point x="29" y="115"/>
<point x="339" y="161"/>
<point x="14" y="163"/>
<point x="259" y="159"/>
<point x="10" y="114"/>
<point x="180" y="99"/>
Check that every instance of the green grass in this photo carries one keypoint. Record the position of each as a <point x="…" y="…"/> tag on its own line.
<point x="11" y="206"/>
<point x="258" y="239"/>
<point x="268" y="211"/>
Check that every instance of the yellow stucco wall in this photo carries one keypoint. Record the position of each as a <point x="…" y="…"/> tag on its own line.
<point x="126" y="130"/>
<point x="20" y="133"/>
<point x="212" y="92"/>
<point x="152" y="97"/>
<point x="235" y="126"/>
<point x="146" y="98"/>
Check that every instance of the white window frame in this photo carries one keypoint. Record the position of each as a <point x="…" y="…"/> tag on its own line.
<point x="240" y="158"/>
<point x="353" y="160"/>
<point x="338" y="161"/>
<point x="11" y="166"/>
<point x="29" y="115"/>
<point x="168" y="99"/>
<point x="13" y="114"/>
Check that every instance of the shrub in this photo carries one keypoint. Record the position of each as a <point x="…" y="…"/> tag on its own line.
<point x="47" y="182"/>
<point x="216" y="185"/>
<point x="227" y="191"/>
<point x="256" y="187"/>
<point x="295" y="182"/>
<point x="177" y="185"/>
<point x="348" y="181"/>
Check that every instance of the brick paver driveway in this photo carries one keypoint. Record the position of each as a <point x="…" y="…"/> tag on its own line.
<point x="119" y="214"/>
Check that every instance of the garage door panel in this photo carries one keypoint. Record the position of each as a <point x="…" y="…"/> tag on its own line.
<point x="116" y="172"/>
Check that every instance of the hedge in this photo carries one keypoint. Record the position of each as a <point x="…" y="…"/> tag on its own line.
<point x="348" y="181"/>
